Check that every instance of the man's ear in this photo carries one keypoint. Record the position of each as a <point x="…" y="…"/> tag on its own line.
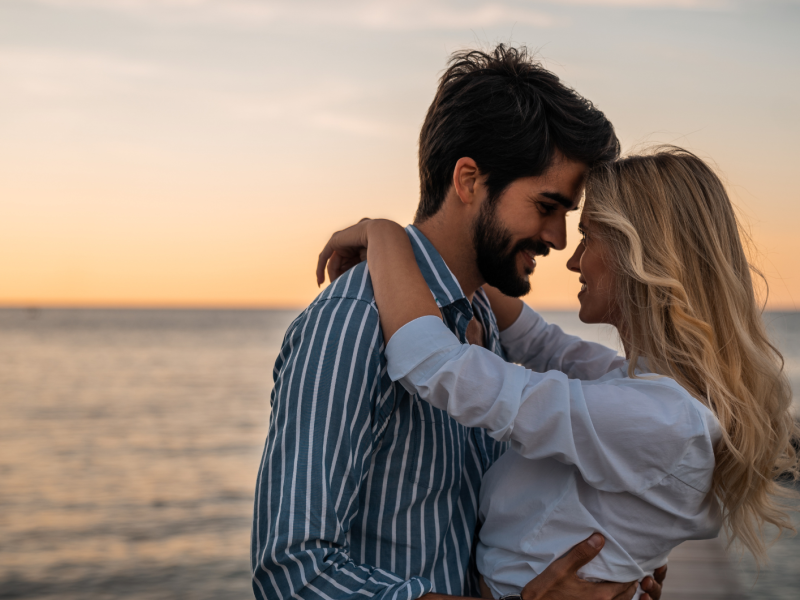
<point x="466" y="180"/>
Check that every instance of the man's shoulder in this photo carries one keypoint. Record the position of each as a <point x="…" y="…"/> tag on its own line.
<point x="352" y="292"/>
<point x="355" y="284"/>
<point x="354" y="287"/>
<point x="339" y="332"/>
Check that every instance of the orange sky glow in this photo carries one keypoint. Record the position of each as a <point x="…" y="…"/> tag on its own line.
<point x="199" y="153"/>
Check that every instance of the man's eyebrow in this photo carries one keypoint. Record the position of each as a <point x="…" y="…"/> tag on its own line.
<point x="560" y="198"/>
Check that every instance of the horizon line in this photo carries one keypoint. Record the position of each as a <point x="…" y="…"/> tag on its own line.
<point x="35" y="306"/>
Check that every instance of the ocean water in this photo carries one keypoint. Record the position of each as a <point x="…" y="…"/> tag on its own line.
<point x="130" y="441"/>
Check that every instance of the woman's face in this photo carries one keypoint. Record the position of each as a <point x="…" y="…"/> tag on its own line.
<point x="598" y="295"/>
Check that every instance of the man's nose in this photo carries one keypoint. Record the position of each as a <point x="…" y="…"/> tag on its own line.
<point x="555" y="234"/>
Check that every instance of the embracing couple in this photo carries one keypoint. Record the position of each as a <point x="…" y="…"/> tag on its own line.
<point x="431" y="435"/>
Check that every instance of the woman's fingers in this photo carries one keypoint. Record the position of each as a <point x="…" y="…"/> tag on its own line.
<point x="337" y="263"/>
<point x="336" y="266"/>
<point x="344" y="250"/>
<point x="326" y="253"/>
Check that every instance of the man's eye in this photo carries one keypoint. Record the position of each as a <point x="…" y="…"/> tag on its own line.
<point x="546" y="208"/>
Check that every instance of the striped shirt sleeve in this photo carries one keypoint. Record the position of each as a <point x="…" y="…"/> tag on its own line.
<point x="323" y="429"/>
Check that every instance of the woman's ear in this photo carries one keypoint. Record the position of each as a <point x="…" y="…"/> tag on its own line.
<point x="466" y="180"/>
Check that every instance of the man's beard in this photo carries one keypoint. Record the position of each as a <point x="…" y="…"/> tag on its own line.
<point x="497" y="258"/>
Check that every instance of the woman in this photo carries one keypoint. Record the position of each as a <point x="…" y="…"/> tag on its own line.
<point x="684" y="436"/>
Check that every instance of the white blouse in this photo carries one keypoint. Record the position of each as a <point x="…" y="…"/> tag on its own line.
<point x="593" y="449"/>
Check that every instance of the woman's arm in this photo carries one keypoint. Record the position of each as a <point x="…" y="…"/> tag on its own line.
<point x="541" y="346"/>
<point x="505" y="308"/>
<point x="532" y="342"/>
<point x="400" y="290"/>
<point x="403" y="295"/>
<point x="623" y="435"/>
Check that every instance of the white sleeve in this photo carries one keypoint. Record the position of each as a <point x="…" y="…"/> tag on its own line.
<point x="541" y="346"/>
<point x="622" y="434"/>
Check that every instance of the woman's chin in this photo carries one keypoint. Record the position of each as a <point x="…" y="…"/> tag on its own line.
<point x="587" y="317"/>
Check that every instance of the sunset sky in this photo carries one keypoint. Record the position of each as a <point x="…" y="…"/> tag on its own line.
<point x="200" y="152"/>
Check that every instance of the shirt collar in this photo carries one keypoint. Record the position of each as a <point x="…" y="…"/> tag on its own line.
<point x="457" y="311"/>
<point x="444" y="285"/>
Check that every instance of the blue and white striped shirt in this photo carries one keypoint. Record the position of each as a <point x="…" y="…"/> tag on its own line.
<point x="364" y="490"/>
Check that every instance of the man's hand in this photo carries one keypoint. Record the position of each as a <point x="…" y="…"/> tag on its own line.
<point x="652" y="585"/>
<point x="560" y="580"/>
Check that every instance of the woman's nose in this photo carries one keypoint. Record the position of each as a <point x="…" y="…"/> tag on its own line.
<point x="574" y="263"/>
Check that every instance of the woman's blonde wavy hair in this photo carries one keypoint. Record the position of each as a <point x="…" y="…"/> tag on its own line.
<point x="689" y="307"/>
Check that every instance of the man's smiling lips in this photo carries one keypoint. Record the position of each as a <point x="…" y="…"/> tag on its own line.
<point x="529" y="258"/>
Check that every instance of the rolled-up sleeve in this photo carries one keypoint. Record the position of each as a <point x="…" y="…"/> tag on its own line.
<point x="321" y="436"/>
<point x="541" y="346"/>
<point x="622" y="434"/>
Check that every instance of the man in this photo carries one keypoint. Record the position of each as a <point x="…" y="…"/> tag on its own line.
<point x="363" y="490"/>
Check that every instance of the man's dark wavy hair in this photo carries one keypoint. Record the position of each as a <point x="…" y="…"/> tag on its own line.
<point x="509" y="114"/>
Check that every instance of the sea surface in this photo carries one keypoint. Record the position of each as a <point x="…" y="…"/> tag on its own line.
<point x="130" y="442"/>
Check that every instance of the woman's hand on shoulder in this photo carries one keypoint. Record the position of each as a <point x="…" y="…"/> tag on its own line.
<point x="348" y="247"/>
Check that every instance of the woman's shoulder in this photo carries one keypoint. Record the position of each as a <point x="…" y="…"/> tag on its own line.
<point x="654" y="411"/>
<point x="661" y="387"/>
<point x="693" y="466"/>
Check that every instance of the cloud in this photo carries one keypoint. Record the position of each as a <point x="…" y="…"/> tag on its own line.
<point x="75" y="86"/>
<point x="431" y="15"/>
<point x="645" y="4"/>
<point x="678" y="4"/>
<point x="50" y="74"/>
<point x="307" y="108"/>
<point x="385" y="15"/>
<point x="381" y="14"/>
<point x="358" y="126"/>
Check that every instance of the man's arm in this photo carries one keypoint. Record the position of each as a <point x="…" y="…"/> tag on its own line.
<point x="320" y="440"/>
<point x="560" y="580"/>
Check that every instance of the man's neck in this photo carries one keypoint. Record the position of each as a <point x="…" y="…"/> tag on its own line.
<point x="457" y="252"/>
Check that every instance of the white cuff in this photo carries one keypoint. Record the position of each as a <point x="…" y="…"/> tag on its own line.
<point x="415" y="342"/>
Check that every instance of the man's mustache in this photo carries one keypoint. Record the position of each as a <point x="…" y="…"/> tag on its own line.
<point x="536" y="247"/>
